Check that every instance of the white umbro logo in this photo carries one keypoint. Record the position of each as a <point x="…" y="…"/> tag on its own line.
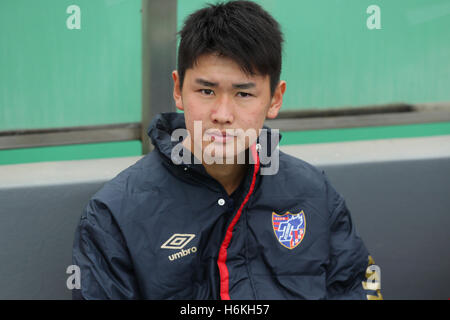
<point x="178" y="241"/>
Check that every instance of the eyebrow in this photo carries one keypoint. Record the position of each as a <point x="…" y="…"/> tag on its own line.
<point x="243" y="86"/>
<point x="206" y="83"/>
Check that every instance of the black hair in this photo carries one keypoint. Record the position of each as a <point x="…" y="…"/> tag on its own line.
<point x="240" y="30"/>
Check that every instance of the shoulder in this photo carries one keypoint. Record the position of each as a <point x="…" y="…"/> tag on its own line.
<point x="291" y="162"/>
<point x="300" y="179"/>
<point x="142" y="181"/>
<point x="137" y="178"/>
<point x="299" y="171"/>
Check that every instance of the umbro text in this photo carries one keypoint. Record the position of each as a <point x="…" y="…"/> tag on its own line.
<point x="182" y="253"/>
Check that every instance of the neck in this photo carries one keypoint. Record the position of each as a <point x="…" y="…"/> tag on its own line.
<point x="228" y="175"/>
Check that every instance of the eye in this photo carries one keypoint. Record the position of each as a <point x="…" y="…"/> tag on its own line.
<point x="207" y="92"/>
<point x="245" y="94"/>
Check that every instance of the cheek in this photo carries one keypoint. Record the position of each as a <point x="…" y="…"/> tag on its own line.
<point x="195" y="104"/>
<point x="196" y="118"/>
<point x="255" y="117"/>
<point x="193" y="110"/>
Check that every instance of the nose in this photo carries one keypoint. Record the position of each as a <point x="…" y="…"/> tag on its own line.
<point x="223" y="112"/>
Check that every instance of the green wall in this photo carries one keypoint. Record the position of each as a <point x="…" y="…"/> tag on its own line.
<point x="52" y="76"/>
<point x="331" y="59"/>
<point x="72" y="152"/>
<point x="366" y="133"/>
<point x="55" y="77"/>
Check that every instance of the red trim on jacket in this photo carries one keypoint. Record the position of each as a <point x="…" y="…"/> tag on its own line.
<point x="221" y="261"/>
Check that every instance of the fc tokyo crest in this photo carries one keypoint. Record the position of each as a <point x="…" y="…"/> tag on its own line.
<point x="289" y="228"/>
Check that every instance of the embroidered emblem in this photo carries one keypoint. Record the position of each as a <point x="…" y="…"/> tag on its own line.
<point x="178" y="241"/>
<point x="289" y="228"/>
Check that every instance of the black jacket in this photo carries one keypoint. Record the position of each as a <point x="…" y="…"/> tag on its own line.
<point x="164" y="231"/>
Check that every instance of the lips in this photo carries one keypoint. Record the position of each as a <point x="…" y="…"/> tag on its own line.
<point x="219" y="136"/>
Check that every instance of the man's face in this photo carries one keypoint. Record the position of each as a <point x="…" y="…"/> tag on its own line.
<point x="218" y="94"/>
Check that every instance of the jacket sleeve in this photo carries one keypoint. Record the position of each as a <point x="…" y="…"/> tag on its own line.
<point x="100" y="252"/>
<point x="351" y="273"/>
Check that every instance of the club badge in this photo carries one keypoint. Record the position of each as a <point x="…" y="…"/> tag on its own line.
<point x="289" y="228"/>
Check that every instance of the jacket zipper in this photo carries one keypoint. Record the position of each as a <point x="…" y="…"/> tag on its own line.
<point x="221" y="261"/>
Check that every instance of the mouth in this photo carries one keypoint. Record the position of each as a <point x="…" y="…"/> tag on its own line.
<point x="219" y="136"/>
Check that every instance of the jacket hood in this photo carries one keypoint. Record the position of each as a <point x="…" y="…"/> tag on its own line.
<point x="161" y="129"/>
<point x="164" y="124"/>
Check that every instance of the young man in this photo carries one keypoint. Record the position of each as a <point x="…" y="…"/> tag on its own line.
<point x="202" y="216"/>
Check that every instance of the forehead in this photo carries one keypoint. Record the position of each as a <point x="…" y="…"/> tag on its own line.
<point x="217" y="68"/>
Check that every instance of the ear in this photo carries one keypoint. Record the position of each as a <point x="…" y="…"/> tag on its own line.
<point x="177" y="90"/>
<point x="277" y="100"/>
